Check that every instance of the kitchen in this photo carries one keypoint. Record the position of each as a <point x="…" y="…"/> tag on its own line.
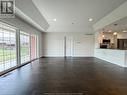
<point x="111" y="43"/>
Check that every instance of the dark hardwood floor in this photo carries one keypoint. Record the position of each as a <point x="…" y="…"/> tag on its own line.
<point x="84" y="76"/>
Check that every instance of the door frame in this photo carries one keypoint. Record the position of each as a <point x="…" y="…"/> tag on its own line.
<point x="65" y="46"/>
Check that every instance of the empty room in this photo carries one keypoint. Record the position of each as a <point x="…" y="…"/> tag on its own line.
<point x="63" y="47"/>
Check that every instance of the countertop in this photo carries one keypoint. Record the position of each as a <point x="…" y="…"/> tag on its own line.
<point x="112" y="49"/>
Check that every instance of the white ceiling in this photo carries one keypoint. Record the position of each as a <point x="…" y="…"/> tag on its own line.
<point x="67" y="12"/>
<point x="27" y="10"/>
<point x="121" y="26"/>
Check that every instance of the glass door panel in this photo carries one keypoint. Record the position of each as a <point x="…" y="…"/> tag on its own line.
<point x="8" y="58"/>
<point x="24" y="47"/>
<point x="33" y="47"/>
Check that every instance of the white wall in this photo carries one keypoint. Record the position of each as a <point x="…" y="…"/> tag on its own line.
<point x="20" y="24"/>
<point x="83" y="45"/>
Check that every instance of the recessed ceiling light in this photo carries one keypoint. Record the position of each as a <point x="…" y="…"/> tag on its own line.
<point x="103" y="35"/>
<point x="90" y="19"/>
<point x="54" y="19"/>
<point x="110" y="31"/>
<point x="124" y="31"/>
<point x="115" y="33"/>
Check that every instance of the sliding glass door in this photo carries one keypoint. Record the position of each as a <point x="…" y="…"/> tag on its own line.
<point x="33" y="47"/>
<point x="24" y="47"/>
<point x="8" y="58"/>
<point x="16" y="47"/>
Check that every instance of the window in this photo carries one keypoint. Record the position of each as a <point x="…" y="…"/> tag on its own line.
<point x="24" y="47"/>
<point x="8" y="57"/>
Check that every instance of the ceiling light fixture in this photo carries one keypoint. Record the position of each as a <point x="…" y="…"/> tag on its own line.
<point x="54" y="19"/>
<point x="103" y="36"/>
<point x="124" y="31"/>
<point x="90" y="19"/>
<point x="110" y="31"/>
<point x="115" y="33"/>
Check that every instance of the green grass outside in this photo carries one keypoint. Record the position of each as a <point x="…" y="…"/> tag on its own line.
<point x="7" y="53"/>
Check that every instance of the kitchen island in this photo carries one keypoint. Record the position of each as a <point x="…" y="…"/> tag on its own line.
<point x="115" y="56"/>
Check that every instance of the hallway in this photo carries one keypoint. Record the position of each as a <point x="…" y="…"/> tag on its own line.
<point x="84" y="76"/>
